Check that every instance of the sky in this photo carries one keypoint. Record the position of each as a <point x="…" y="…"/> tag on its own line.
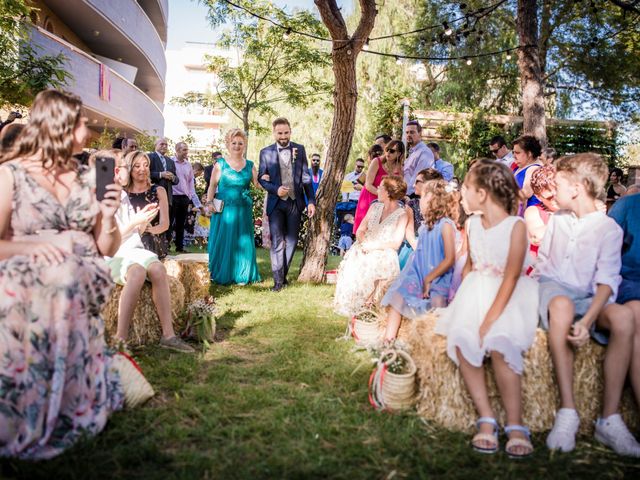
<point x="188" y="20"/>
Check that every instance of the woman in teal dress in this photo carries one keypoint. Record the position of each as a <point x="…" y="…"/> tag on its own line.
<point x="232" y="250"/>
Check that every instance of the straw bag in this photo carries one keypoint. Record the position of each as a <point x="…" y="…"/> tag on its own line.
<point x="393" y="391"/>
<point x="137" y="389"/>
<point x="365" y="332"/>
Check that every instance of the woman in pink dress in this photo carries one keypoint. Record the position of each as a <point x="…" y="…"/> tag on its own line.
<point x="389" y="164"/>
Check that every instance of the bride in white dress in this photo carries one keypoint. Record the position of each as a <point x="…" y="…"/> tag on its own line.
<point x="372" y="262"/>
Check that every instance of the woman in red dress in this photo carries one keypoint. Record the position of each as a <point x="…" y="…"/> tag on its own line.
<point x="388" y="164"/>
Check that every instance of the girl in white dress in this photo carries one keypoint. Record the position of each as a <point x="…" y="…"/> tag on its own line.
<point x="494" y="313"/>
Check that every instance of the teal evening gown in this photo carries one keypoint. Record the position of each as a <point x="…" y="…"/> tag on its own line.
<point x="232" y="249"/>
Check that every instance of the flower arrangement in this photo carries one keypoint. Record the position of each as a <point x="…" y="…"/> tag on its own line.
<point x="201" y="320"/>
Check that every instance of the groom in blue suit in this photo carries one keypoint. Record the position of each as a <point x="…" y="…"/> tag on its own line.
<point x="284" y="174"/>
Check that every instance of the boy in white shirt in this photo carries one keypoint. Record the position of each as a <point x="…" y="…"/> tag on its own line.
<point x="579" y="272"/>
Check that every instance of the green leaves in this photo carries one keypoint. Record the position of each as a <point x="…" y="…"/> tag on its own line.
<point x="269" y="68"/>
<point x="23" y="71"/>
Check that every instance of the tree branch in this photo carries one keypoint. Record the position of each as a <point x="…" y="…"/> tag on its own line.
<point x="332" y="18"/>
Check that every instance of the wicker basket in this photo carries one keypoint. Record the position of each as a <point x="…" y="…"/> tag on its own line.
<point x="331" y="277"/>
<point x="393" y="391"/>
<point x="137" y="389"/>
<point x="365" y="333"/>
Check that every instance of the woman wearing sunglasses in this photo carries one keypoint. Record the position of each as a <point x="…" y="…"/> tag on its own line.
<point x="389" y="164"/>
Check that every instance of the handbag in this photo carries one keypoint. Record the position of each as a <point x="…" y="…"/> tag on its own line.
<point x="217" y="205"/>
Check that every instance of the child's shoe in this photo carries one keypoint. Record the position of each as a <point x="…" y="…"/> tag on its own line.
<point x="613" y="433"/>
<point x="563" y="435"/>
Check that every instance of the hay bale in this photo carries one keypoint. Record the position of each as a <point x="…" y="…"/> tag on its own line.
<point x="145" y="326"/>
<point x="193" y="272"/>
<point x="444" y="399"/>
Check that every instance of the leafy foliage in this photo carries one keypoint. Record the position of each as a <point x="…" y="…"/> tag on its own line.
<point x="581" y="45"/>
<point x="274" y="67"/>
<point x="23" y="72"/>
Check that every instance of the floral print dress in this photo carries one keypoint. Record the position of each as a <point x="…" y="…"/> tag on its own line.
<point x="57" y="382"/>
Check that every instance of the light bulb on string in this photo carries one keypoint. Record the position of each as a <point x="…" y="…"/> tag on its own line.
<point x="448" y="32"/>
<point x="508" y="57"/>
<point x="398" y="61"/>
<point x="287" y="34"/>
<point x="365" y="47"/>
<point x="469" y="61"/>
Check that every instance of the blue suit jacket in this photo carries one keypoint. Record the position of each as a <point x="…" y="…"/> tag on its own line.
<point x="270" y="165"/>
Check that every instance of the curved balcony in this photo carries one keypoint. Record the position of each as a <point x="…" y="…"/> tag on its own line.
<point x="158" y="13"/>
<point x="121" y="31"/>
<point x="128" y="108"/>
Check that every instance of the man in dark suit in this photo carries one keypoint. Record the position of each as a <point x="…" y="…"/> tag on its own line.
<point x="163" y="173"/>
<point x="284" y="174"/>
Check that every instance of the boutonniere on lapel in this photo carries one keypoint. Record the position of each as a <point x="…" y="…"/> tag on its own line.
<point x="294" y="155"/>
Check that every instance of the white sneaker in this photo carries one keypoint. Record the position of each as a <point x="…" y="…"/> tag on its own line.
<point x="613" y="433"/>
<point x="563" y="434"/>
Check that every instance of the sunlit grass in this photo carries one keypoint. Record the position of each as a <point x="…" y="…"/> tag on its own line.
<point x="278" y="397"/>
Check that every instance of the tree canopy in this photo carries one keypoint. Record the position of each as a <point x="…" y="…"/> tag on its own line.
<point x="23" y="71"/>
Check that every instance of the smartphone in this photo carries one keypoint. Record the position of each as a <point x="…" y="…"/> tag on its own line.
<point x="105" y="174"/>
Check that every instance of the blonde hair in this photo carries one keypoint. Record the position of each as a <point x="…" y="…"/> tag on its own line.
<point x="442" y="203"/>
<point x="130" y="159"/>
<point x="586" y="168"/>
<point x="49" y="132"/>
<point x="233" y="133"/>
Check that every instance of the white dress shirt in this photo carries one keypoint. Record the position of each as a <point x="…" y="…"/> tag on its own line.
<point x="581" y="253"/>
<point x="420" y="157"/>
<point x="355" y="195"/>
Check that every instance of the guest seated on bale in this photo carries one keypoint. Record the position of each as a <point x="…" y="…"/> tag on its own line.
<point x="578" y="268"/>
<point x="372" y="262"/>
<point x="626" y="213"/>
<point x="424" y="283"/>
<point x="494" y="312"/>
<point x="58" y="381"/>
<point x="414" y="215"/>
<point x="142" y="192"/>
<point x="132" y="264"/>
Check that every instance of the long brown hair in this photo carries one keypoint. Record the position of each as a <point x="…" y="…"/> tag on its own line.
<point x="49" y="132"/>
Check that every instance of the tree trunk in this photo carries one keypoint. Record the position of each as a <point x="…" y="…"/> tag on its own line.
<point x="344" y="54"/>
<point x="533" y="109"/>
<point x="319" y="234"/>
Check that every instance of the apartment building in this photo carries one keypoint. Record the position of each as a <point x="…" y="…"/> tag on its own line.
<point x="187" y="72"/>
<point x="115" y="51"/>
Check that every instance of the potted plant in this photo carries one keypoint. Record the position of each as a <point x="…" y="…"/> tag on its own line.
<point x="201" y="320"/>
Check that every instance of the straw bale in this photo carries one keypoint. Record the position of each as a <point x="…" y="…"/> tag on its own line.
<point x="145" y="326"/>
<point x="193" y="273"/>
<point x="443" y="397"/>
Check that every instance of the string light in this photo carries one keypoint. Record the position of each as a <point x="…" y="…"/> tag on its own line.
<point x="365" y="47"/>
<point x="287" y="34"/>
<point x="469" y="61"/>
<point x="398" y="60"/>
<point x="508" y="57"/>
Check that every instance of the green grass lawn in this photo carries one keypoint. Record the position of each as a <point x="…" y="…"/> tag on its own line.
<point x="278" y="397"/>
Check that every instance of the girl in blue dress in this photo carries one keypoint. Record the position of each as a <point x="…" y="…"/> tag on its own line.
<point x="424" y="282"/>
<point x="232" y="250"/>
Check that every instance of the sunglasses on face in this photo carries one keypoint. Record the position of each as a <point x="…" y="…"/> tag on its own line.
<point x="494" y="151"/>
<point x="392" y="150"/>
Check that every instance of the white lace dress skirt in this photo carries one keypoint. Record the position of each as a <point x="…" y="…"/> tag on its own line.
<point x="358" y="274"/>
<point x="511" y="334"/>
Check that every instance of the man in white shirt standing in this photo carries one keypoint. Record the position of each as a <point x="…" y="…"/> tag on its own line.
<point x="353" y="178"/>
<point x="183" y="193"/>
<point x="420" y="156"/>
<point x="498" y="147"/>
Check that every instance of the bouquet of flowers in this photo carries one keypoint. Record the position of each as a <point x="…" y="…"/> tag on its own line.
<point x="201" y="320"/>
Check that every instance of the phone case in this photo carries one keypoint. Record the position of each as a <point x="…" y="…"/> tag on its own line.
<point x="105" y="167"/>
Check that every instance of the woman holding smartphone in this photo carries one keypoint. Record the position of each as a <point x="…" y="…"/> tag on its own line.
<point x="58" y="382"/>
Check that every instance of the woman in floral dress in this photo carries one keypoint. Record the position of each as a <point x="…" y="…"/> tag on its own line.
<point x="57" y="380"/>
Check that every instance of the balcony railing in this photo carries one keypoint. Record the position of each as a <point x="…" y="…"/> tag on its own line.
<point x="126" y="105"/>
